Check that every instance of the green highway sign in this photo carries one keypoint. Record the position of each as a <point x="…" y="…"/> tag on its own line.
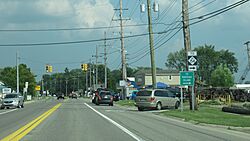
<point x="187" y="78"/>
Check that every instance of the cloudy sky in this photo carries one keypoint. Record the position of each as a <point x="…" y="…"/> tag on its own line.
<point x="229" y="30"/>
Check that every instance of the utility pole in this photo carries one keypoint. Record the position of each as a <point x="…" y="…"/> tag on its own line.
<point x="187" y="45"/>
<point x="96" y="67"/>
<point x="151" y="42"/>
<point x="243" y="76"/>
<point x="90" y="71"/>
<point x="105" y="60"/>
<point x="17" y="72"/>
<point x="123" y="55"/>
<point x="66" y="91"/>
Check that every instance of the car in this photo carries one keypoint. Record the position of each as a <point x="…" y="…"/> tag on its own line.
<point x="74" y="95"/>
<point x="116" y="96"/>
<point x="103" y="97"/>
<point x="15" y="100"/>
<point x="60" y="96"/>
<point x="156" y="99"/>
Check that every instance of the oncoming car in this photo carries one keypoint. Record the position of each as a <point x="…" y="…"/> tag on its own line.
<point x="13" y="100"/>
<point x="156" y="99"/>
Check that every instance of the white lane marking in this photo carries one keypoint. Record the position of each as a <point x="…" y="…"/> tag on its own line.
<point x="116" y="124"/>
<point x="8" y="111"/>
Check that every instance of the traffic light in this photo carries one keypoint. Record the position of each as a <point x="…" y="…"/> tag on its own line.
<point x="50" y="69"/>
<point x="82" y="66"/>
<point x="47" y="68"/>
<point x="85" y="67"/>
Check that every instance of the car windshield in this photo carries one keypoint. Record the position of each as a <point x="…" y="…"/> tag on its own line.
<point x="144" y="93"/>
<point x="11" y="96"/>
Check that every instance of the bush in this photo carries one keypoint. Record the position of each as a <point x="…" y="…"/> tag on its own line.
<point x="246" y="105"/>
<point x="212" y="102"/>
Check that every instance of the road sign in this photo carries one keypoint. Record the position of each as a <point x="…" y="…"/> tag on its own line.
<point x="38" y="88"/>
<point x="187" y="78"/>
<point x="192" y="60"/>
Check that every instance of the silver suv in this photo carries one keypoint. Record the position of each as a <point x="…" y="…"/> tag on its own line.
<point x="156" y="99"/>
<point x="13" y="100"/>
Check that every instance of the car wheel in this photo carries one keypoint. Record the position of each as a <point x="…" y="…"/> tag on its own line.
<point x="158" y="106"/>
<point x="140" y="109"/>
<point x="96" y="102"/>
<point x="18" y="105"/>
<point x="177" y="104"/>
<point x="22" y="106"/>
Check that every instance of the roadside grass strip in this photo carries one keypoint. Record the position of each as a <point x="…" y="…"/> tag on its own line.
<point x="23" y="131"/>
<point x="130" y="103"/>
<point x="211" y="115"/>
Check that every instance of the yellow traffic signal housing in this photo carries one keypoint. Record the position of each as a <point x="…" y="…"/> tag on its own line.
<point x="85" y="67"/>
<point x="50" y="68"/>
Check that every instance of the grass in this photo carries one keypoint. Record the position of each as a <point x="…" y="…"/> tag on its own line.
<point x="126" y="103"/>
<point x="211" y="115"/>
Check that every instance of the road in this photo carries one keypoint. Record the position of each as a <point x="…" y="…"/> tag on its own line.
<point x="80" y="120"/>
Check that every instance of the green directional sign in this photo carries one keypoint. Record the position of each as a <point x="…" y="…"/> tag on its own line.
<point x="187" y="78"/>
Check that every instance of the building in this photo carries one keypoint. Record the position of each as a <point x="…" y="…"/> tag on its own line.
<point x="169" y="77"/>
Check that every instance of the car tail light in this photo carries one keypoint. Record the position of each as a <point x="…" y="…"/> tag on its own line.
<point x="151" y="99"/>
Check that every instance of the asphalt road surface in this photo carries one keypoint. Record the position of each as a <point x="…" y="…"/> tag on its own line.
<point x="80" y="120"/>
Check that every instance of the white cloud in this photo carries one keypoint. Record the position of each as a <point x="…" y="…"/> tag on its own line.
<point x="53" y="7"/>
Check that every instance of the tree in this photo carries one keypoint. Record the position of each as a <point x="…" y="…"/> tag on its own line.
<point x="222" y="77"/>
<point x="208" y="60"/>
<point x="8" y="76"/>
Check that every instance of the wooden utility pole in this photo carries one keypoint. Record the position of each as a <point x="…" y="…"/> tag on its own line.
<point x="187" y="45"/>
<point x="105" y="60"/>
<point x="151" y="43"/>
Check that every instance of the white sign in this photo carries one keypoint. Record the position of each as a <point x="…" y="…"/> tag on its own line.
<point x="28" y="97"/>
<point x="6" y="90"/>
<point x="26" y="84"/>
<point x="192" y="61"/>
<point x="122" y="83"/>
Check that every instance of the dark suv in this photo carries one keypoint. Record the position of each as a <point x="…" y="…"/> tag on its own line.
<point x="103" y="97"/>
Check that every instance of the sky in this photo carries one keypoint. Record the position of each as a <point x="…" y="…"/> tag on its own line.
<point x="229" y="30"/>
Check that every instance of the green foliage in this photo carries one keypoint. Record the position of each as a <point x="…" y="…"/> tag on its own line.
<point x="208" y="60"/>
<point x="222" y="77"/>
<point x="8" y="76"/>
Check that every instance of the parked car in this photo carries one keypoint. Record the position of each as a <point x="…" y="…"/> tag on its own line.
<point x="116" y="96"/>
<point x="156" y="99"/>
<point x="103" y="97"/>
<point x="13" y="100"/>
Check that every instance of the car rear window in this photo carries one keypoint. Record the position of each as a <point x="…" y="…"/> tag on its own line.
<point x="105" y="93"/>
<point x="144" y="93"/>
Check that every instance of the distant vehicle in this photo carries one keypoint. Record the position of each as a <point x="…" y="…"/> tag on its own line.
<point x="74" y="95"/>
<point x="103" y="97"/>
<point x="13" y="100"/>
<point x="156" y="99"/>
<point x="60" y="96"/>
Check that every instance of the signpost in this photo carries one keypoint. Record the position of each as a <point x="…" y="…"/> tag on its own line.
<point x="187" y="79"/>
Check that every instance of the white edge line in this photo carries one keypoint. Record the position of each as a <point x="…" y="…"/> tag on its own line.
<point x="116" y="124"/>
<point x="7" y="112"/>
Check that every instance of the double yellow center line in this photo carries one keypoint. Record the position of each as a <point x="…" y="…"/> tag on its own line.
<point x="20" y="133"/>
